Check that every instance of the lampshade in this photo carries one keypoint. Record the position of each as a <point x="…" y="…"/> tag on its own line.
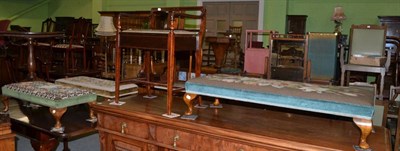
<point x="338" y="14"/>
<point x="106" y="26"/>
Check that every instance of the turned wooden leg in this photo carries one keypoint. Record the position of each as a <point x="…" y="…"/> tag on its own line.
<point x="44" y="142"/>
<point x="216" y="102"/>
<point x="57" y="114"/>
<point x="200" y="102"/>
<point x="92" y="115"/>
<point x="6" y="103"/>
<point x="366" y="129"/>
<point x="188" y="98"/>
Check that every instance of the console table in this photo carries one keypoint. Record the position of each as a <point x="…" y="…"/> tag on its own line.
<point x="138" y="125"/>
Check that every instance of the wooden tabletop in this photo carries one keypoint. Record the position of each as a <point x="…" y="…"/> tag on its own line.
<point x="256" y="123"/>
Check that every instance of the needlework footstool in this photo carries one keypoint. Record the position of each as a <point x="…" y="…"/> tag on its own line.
<point x="56" y="97"/>
<point x="102" y="87"/>
<point x="353" y="102"/>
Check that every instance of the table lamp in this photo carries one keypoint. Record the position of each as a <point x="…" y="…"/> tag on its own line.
<point x="338" y="16"/>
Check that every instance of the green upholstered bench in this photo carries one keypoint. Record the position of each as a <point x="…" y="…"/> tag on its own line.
<point x="353" y="102"/>
<point x="101" y="87"/>
<point x="56" y="97"/>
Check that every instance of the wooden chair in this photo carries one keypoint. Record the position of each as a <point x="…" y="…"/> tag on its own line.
<point x="366" y="53"/>
<point x="75" y="41"/>
<point x="48" y="25"/>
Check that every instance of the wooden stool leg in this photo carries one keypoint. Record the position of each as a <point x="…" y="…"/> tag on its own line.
<point x="6" y="103"/>
<point x="188" y="98"/>
<point x="216" y="104"/>
<point x="92" y="115"/>
<point x="366" y="129"/>
<point x="57" y="114"/>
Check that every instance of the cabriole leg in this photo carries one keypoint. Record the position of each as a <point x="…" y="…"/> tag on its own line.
<point x="366" y="128"/>
<point x="57" y="114"/>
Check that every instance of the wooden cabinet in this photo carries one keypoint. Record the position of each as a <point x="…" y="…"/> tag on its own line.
<point x="392" y="23"/>
<point x="138" y="125"/>
<point x="296" y="24"/>
<point x="289" y="60"/>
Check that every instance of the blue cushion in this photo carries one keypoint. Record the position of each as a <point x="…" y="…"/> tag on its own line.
<point x="355" y="102"/>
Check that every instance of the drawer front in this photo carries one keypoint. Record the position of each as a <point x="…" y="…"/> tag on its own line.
<point x="124" y="126"/>
<point x="185" y="140"/>
<point x="117" y="143"/>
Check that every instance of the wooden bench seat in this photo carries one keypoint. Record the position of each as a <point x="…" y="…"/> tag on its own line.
<point x="56" y="97"/>
<point x="353" y="102"/>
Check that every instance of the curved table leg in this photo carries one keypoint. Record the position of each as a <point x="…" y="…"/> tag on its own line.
<point x="188" y="98"/>
<point x="57" y="114"/>
<point x="366" y="129"/>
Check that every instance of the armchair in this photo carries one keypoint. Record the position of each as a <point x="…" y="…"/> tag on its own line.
<point x="366" y="53"/>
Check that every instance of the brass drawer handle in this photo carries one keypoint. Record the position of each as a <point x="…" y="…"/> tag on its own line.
<point x="176" y="138"/>
<point x="123" y="126"/>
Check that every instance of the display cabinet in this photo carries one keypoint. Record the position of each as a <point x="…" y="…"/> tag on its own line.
<point x="392" y="23"/>
<point x="290" y="57"/>
<point x="296" y="24"/>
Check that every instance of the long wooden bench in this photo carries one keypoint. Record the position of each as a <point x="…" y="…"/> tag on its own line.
<point x="56" y="97"/>
<point x="353" y="102"/>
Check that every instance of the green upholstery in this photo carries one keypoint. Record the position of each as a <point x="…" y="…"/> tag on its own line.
<point x="48" y="94"/>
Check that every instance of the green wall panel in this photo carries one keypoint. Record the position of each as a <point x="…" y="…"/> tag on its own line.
<point x="17" y="11"/>
<point x="132" y="5"/>
<point x="318" y="11"/>
<point x="357" y="11"/>
<point x="74" y="8"/>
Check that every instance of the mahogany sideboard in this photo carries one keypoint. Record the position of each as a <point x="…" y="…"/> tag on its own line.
<point x="7" y="138"/>
<point x="138" y="125"/>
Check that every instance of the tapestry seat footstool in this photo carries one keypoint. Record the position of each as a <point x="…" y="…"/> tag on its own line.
<point x="56" y="97"/>
<point x="354" y="102"/>
<point x="101" y="87"/>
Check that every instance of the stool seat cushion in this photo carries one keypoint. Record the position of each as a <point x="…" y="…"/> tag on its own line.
<point x="101" y="87"/>
<point x="355" y="102"/>
<point x="48" y="94"/>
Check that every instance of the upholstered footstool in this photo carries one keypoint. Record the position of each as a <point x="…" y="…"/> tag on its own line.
<point x="102" y="87"/>
<point x="56" y="97"/>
